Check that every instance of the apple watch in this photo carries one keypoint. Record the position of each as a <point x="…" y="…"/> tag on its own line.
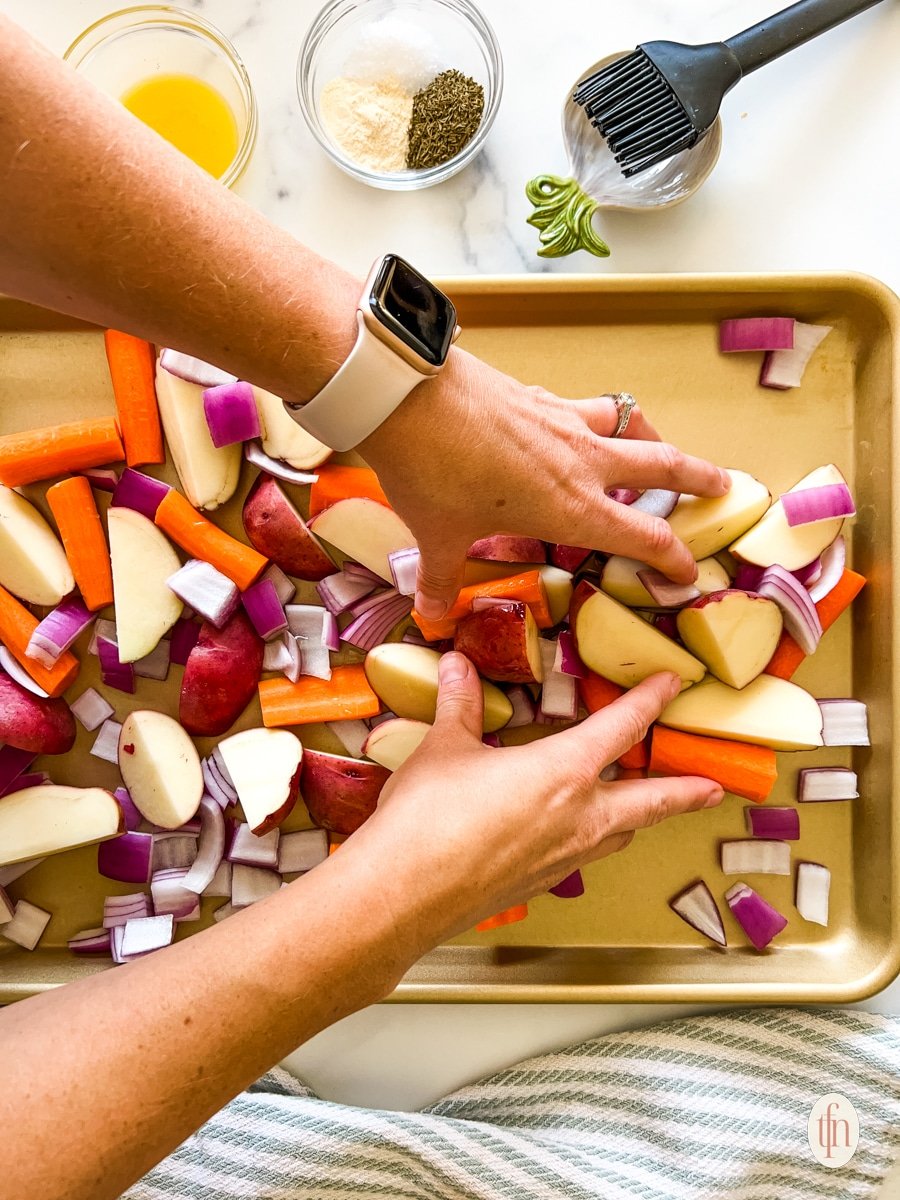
<point x="406" y="329"/>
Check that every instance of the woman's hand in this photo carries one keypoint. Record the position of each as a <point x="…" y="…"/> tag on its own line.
<point x="474" y="453"/>
<point x="465" y="830"/>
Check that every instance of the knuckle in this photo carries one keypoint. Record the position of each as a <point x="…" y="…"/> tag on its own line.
<point x="657" y="806"/>
<point x="672" y="460"/>
<point x="660" y="538"/>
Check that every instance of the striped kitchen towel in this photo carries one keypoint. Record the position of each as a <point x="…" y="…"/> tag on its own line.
<point x="708" y="1108"/>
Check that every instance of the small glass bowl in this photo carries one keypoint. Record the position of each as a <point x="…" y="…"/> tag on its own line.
<point x="467" y="43"/>
<point x="133" y="44"/>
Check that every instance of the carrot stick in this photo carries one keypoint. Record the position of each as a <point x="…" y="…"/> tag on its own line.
<point x="345" y="696"/>
<point x="528" y="587"/>
<point x="597" y="693"/>
<point x="337" y="482"/>
<point x="131" y="367"/>
<point x="637" y="758"/>
<point x="509" y="916"/>
<point x="72" y="504"/>
<point x="58" y="449"/>
<point x="788" y="656"/>
<point x="177" y="517"/>
<point x="16" y="627"/>
<point x="748" y="771"/>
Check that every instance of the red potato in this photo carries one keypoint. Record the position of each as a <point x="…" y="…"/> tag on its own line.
<point x="734" y="633"/>
<point x="275" y="528"/>
<point x="221" y="676"/>
<point x="340" y="793"/>
<point x="502" y="642"/>
<point x="50" y="818"/>
<point x="160" y="768"/>
<point x="508" y="548"/>
<point x="264" y="765"/>
<point x="569" y="558"/>
<point x="29" y="722"/>
<point x="392" y="742"/>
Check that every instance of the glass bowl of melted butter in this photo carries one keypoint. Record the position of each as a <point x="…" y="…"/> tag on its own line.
<point x="179" y="75"/>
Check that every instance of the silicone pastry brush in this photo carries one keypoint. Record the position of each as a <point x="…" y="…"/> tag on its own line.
<point x="664" y="96"/>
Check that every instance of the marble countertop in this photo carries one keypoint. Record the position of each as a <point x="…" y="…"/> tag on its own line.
<point x="809" y="179"/>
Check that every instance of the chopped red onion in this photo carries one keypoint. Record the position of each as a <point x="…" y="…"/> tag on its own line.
<point x="103" y="479"/>
<point x="567" y="660"/>
<point x="801" y="619"/>
<point x="784" y="369"/>
<point x="254" y="453"/>
<point x="184" y="637"/>
<point x="130" y="813"/>
<point x="154" y="665"/>
<point x="358" y="571"/>
<point x="27" y="925"/>
<point x="813" y="886"/>
<point x="220" y="884"/>
<point x="106" y="743"/>
<point x="224" y="911"/>
<point x="569" y="558"/>
<point x="415" y="637"/>
<point x="222" y="774"/>
<point x="252" y="851"/>
<point x="212" y="594"/>
<point x="231" y="413"/>
<point x="748" y="578"/>
<point x="523" y="707"/>
<point x="775" y="823"/>
<point x="834" y="562"/>
<point x="559" y="693"/>
<point x="141" y="492"/>
<point x="91" y="709"/>
<point x="118" y="909"/>
<point x="284" y="587"/>
<point x="212" y="785"/>
<point x="18" y="674"/>
<point x="102" y="629"/>
<point x="250" y="884"/>
<point x="667" y="623"/>
<point x="374" y="601"/>
<point x="33" y="779"/>
<point x="351" y="734"/>
<point x="844" y="723"/>
<point x="126" y="858"/>
<point x="15" y="871"/>
<point x="656" y="502"/>
<point x="113" y="672"/>
<point x="823" y="784"/>
<point x="315" y="660"/>
<point x="59" y="630"/>
<point x="755" y="857"/>
<point x="277" y="654"/>
<point x="809" y="574"/>
<point x="263" y="607"/>
<point x="756" y="333"/>
<point x="171" y="896"/>
<point x="569" y="888"/>
<point x="696" y="906"/>
<point x="307" y="621"/>
<point x="143" y="935"/>
<point x="173" y="850"/>
<point x="372" y="626"/>
<point x="758" y="919"/>
<point x="7" y="907"/>
<point x="302" y="850"/>
<point x="12" y="763"/>
<point x="663" y="591"/>
<point x="404" y="566"/>
<point x="340" y="590"/>
<point x="210" y="848"/>
<point x="194" y="370"/>
<point x="808" y="506"/>
<point x="90" y="941"/>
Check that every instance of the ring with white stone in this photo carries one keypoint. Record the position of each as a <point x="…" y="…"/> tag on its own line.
<point x="625" y="404"/>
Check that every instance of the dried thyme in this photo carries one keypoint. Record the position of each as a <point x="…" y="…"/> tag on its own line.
<point x="445" y="117"/>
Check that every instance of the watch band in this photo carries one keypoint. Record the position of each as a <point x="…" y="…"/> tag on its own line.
<point x="373" y="381"/>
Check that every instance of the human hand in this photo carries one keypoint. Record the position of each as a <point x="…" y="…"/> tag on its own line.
<point x="474" y="452"/>
<point x="464" y="830"/>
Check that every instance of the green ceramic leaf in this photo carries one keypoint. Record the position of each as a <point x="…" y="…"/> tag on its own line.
<point x="563" y="213"/>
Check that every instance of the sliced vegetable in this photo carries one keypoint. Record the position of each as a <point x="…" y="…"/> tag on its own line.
<point x="171" y="896"/>
<point x="656" y="502"/>
<point x="315" y="660"/>
<point x="254" y="453"/>
<point x="567" y="661"/>
<point x="337" y="482"/>
<point x="767" y="712"/>
<point x="810" y="505"/>
<point x="154" y="665"/>
<point x="130" y="814"/>
<point x="277" y="655"/>
<point x="113" y="671"/>
<point x="780" y="824"/>
<point x="75" y="512"/>
<point x="143" y="935"/>
<point x="285" y="588"/>
<point x="696" y="906"/>
<point x="201" y="539"/>
<point x="371" y="627"/>
<point x="569" y="888"/>
<point x="844" y="723"/>
<point x="665" y="592"/>
<point x="758" y="919"/>
<point x="90" y="941"/>
<point x="221" y="677"/>
<point x="209" y="476"/>
<point x="813" y="886"/>
<point x="339" y="591"/>
<point x="231" y="415"/>
<point x="351" y="734"/>
<point x="264" y="766"/>
<point x="102" y="479"/>
<point x="27" y="722"/>
<point x="818" y="784"/>
<point x="559" y="693"/>
<point x="131" y="369"/>
<point x="523" y="707"/>
<point x="13" y="762"/>
<point x="346" y="696"/>
<point x="58" y="631"/>
<point x="404" y="569"/>
<point x="756" y="333"/>
<point x="788" y="656"/>
<point x="210" y="848"/>
<point x="264" y="609"/>
<point x="16" y="627"/>
<point x="58" y="450"/>
<point x="755" y="857"/>
<point x="831" y="570"/>
<point x="254" y="850"/>
<point x="569" y="558"/>
<point x="784" y="369"/>
<point x="128" y="858"/>
<point x="801" y="619"/>
<point x="194" y="370"/>
<point x="527" y="587"/>
<point x="119" y="909"/>
<point x="173" y="848"/>
<point x="140" y="492"/>
<point x="302" y="850"/>
<point x="185" y="633"/>
<point x="220" y="884"/>
<point x="509" y="916"/>
<point x="739" y="768"/>
<point x="27" y="925"/>
<point x="106" y="743"/>
<point x="251" y="884"/>
<point x="17" y="673"/>
<point x="50" y="818"/>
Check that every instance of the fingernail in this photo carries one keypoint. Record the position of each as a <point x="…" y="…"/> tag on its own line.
<point x="714" y="798"/>
<point x="726" y="480"/>
<point x="452" y="667"/>
<point x="431" y="608"/>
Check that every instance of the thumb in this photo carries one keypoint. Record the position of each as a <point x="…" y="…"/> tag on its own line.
<point x="439" y="579"/>
<point x="460" y="701"/>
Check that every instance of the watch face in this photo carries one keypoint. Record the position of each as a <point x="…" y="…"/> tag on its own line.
<point x="414" y="309"/>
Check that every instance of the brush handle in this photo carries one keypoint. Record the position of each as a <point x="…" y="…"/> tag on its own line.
<point x="791" y="27"/>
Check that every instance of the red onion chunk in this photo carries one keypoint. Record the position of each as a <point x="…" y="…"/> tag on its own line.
<point x="801" y="619"/>
<point x="811" y="505"/>
<point x="523" y="707"/>
<point x="210" y="847"/>
<point x="212" y="785"/>
<point x="371" y="627"/>
<point x="308" y="621"/>
<point x="264" y="609"/>
<point x="61" y="628"/>
<point x="315" y="659"/>
<point x="130" y="812"/>
<point x="285" y="588"/>
<point x="141" y="492"/>
<point x="776" y="823"/>
<point x="340" y="590"/>
<point x="748" y="578"/>
<point x="569" y="888"/>
<point x="656" y="502"/>
<point x="740" y="334"/>
<point x="825" y="784"/>
<point x="217" y="764"/>
<point x="302" y="850"/>
<point x="231" y="414"/>
<point x="220" y="884"/>
<point x="155" y="665"/>
<point x="813" y="887"/>
<point x="755" y="857"/>
<point x="210" y="593"/>
<point x="834" y="562"/>
<point x="106" y="743"/>
<point x="171" y="896"/>
<point x="90" y="941"/>
<point x="102" y="629"/>
<point x="277" y="654"/>
<point x="667" y="623"/>
<point x="18" y="674"/>
<point x="143" y="935"/>
<point x="118" y="909"/>
<point x="250" y="884"/>
<point x="404" y="566"/>
<point x="567" y="660"/>
<point x="844" y="723"/>
<point x="252" y="851"/>
<point x="33" y="779"/>
<point x="360" y="572"/>
<point x="91" y="709"/>
<point x="27" y="925"/>
<point x="783" y="369"/>
<point x="115" y="674"/>
<point x="559" y="693"/>
<point x="102" y="479"/>
<point x="663" y="591"/>
<point x="758" y="919"/>
<point x="194" y="370"/>
<point x="184" y="637"/>
<point x="12" y="763"/>
<point x="696" y="906"/>
<point x="16" y="870"/>
<point x="254" y="453"/>
<point x="351" y="734"/>
<point x="127" y="858"/>
<point x="173" y="850"/>
<point x="809" y="574"/>
<point x="414" y="637"/>
<point x="569" y="558"/>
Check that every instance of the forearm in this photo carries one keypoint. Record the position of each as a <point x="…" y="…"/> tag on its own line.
<point x="104" y="220"/>
<point x="143" y="1054"/>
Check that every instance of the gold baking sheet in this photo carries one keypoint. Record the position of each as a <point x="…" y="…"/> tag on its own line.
<point x="655" y="336"/>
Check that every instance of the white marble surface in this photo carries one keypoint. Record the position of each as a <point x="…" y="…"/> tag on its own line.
<point x="809" y="179"/>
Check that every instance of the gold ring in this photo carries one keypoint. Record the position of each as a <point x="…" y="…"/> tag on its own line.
<point x="625" y="404"/>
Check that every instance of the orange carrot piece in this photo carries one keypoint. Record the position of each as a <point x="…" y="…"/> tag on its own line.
<point x="633" y="773"/>
<point x="597" y="693"/>
<point x="58" y="449"/>
<point x="528" y="587"/>
<point x="637" y="758"/>
<point x="177" y="517"/>
<point x="743" y="770"/>
<point x="131" y="369"/>
<point x="72" y="504"/>
<point x="509" y="916"/>
<point x="788" y="656"/>
<point x="337" y="482"/>
<point x="345" y="696"/>
<point x="17" y="625"/>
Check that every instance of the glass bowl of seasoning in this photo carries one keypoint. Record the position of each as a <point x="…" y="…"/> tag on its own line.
<point x="401" y="94"/>
<point x="179" y="75"/>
